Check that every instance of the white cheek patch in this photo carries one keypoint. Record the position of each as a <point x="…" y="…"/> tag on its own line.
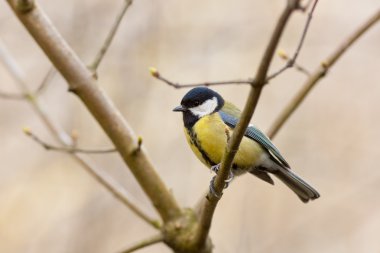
<point x="205" y="108"/>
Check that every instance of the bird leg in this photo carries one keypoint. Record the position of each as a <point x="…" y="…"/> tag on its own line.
<point x="212" y="189"/>
<point x="215" y="168"/>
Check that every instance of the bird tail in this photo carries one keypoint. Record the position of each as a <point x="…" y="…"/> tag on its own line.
<point x="303" y="190"/>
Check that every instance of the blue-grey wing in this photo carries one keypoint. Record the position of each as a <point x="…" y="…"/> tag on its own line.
<point x="256" y="135"/>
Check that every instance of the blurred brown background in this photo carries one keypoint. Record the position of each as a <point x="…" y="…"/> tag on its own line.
<point x="48" y="203"/>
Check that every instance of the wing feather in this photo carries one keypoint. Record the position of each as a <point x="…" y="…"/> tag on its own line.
<point x="254" y="134"/>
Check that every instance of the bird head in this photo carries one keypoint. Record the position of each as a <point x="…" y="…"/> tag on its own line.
<point x="200" y="101"/>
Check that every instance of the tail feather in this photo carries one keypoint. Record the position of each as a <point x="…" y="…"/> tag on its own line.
<point x="262" y="175"/>
<point x="303" y="190"/>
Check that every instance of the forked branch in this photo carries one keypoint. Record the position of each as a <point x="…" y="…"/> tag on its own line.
<point x="66" y="140"/>
<point x="290" y="62"/>
<point x="319" y="73"/>
<point x="144" y="243"/>
<point x="107" y="42"/>
<point x="80" y="82"/>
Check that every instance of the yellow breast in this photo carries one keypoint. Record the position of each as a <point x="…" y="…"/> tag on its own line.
<point x="210" y="136"/>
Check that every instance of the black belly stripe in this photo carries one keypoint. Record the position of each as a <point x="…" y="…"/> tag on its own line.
<point x="195" y="141"/>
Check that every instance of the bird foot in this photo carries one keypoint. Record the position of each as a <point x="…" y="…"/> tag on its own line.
<point x="215" y="168"/>
<point x="227" y="182"/>
<point x="212" y="189"/>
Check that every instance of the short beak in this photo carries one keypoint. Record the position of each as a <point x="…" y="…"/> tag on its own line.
<point x="179" y="108"/>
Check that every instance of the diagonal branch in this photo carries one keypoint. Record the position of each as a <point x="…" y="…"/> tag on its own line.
<point x="12" y="66"/>
<point x="296" y="65"/>
<point x="66" y="149"/>
<point x="144" y="243"/>
<point x="26" y="95"/>
<point x="319" y="73"/>
<point x="291" y="62"/>
<point x="209" y="206"/>
<point x="107" y="42"/>
<point x="80" y="82"/>
<point x="62" y="137"/>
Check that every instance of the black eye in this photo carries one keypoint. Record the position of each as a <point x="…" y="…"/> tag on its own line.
<point x="196" y="103"/>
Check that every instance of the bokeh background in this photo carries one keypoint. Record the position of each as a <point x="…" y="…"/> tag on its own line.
<point x="48" y="203"/>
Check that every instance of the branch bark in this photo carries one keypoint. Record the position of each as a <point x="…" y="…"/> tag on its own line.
<point x="80" y="82"/>
<point x="319" y="73"/>
<point x="209" y="206"/>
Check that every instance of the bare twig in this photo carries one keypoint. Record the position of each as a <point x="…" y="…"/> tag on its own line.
<point x="13" y="96"/>
<point x="283" y="55"/>
<point x="319" y="73"/>
<point x="144" y="243"/>
<point x="260" y="78"/>
<point x="46" y="81"/>
<point x="62" y="137"/>
<point x="291" y="62"/>
<point x="154" y="72"/>
<point x="66" y="149"/>
<point x="81" y="82"/>
<point x="30" y="95"/>
<point x="107" y="42"/>
<point x="11" y="65"/>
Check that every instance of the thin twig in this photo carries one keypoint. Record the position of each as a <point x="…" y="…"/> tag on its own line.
<point x="154" y="72"/>
<point x="260" y="78"/>
<point x="302" y="69"/>
<point x="82" y="83"/>
<point x="107" y="42"/>
<point x="291" y="62"/>
<point x="11" y="65"/>
<point x="12" y="96"/>
<point x="29" y="95"/>
<point x="62" y="137"/>
<point x="46" y="81"/>
<point x="319" y="73"/>
<point x="144" y="243"/>
<point x="66" y="149"/>
<point x="283" y="55"/>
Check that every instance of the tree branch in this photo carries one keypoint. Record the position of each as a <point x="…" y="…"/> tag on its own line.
<point x="85" y="87"/>
<point x="107" y="42"/>
<point x="23" y="96"/>
<point x="297" y="66"/>
<point x="319" y="73"/>
<point x="233" y="145"/>
<point x="291" y="62"/>
<point x="11" y="65"/>
<point x="62" y="137"/>
<point x="66" y="149"/>
<point x="154" y="72"/>
<point x="145" y="243"/>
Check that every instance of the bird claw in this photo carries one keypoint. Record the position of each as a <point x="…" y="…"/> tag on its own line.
<point x="215" y="168"/>
<point x="212" y="189"/>
<point x="227" y="183"/>
<point x="229" y="179"/>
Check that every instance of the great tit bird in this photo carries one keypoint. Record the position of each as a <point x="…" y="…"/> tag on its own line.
<point x="207" y="118"/>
